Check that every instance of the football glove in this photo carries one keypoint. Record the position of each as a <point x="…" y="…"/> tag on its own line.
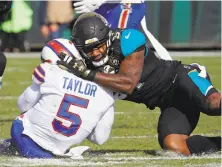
<point x="75" y="66"/>
<point x="203" y="71"/>
<point x="84" y="6"/>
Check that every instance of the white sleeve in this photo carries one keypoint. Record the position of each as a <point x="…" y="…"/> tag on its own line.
<point x="29" y="97"/>
<point x="102" y="130"/>
<point x="160" y="50"/>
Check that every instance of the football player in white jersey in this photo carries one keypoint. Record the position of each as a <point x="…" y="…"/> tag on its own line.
<point x="60" y="110"/>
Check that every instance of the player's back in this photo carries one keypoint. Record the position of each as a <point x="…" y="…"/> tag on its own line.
<point x="157" y="75"/>
<point x="67" y="104"/>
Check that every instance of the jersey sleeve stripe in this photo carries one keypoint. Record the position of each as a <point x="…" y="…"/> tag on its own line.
<point x="58" y="47"/>
<point x="39" y="76"/>
<point x="124" y="16"/>
<point x="41" y="70"/>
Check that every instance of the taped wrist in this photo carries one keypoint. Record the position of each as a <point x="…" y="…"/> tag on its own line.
<point x="89" y="75"/>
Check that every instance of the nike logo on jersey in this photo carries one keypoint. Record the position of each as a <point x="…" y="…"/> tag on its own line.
<point x="127" y="36"/>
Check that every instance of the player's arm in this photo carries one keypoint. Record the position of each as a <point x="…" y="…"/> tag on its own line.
<point x="128" y="77"/>
<point x="132" y="44"/>
<point x="83" y="6"/>
<point x="32" y="94"/>
<point x="102" y="131"/>
<point x="133" y="48"/>
<point x="29" y="97"/>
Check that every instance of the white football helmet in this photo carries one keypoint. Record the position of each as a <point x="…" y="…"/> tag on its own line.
<point x="50" y="52"/>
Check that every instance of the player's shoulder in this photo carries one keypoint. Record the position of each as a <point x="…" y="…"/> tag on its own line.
<point x="39" y="73"/>
<point x="130" y="40"/>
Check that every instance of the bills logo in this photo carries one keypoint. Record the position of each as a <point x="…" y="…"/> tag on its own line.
<point x="126" y="7"/>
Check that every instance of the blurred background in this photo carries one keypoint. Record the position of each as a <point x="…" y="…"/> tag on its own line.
<point x="178" y="25"/>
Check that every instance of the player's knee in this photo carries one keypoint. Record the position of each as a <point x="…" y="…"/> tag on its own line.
<point x="176" y="143"/>
<point x="214" y="104"/>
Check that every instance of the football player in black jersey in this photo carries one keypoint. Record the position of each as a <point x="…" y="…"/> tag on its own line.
<point x="5" y="6"/>
<point x="180" y="91"/>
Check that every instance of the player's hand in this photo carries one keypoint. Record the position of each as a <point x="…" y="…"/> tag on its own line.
<point x="83" y="6"/>
<point x="76" y="66"/>
<point x="203" y="71"/>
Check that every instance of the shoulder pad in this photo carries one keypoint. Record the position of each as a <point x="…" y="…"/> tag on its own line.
<point x="131" y="40"/>
<point x="38" y="75"/>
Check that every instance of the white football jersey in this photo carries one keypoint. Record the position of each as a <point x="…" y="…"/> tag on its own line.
<point x="67" y="105"/>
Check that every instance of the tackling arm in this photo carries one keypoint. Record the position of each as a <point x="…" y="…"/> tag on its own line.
<point x="29" y="97"/>
<point x="128" y="77"/>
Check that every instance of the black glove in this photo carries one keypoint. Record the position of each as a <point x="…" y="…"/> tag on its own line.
<point x="75" y="66"/>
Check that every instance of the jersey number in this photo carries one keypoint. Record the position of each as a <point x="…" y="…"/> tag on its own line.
<point x="67" y="122"/>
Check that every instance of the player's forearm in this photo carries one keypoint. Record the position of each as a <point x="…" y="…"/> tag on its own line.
<point x="116" y="82"/>
<point x="29" y="98"/>
<point x="23" y="104"/>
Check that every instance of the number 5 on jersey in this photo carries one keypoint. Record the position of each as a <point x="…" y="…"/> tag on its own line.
<point x="67" y="122"/>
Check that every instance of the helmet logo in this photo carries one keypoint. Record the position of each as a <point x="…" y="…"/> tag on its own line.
<point x="114" y="61"/>
<point x="89" y="41"/>
<point x="62" y="51"/>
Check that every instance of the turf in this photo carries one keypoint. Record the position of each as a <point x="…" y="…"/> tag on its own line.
<point x="133" y="139"/>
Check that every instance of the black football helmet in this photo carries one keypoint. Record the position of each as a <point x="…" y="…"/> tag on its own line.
<point x="89" y="31"/>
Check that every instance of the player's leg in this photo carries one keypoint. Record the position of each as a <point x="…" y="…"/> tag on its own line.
<point x="126" y="15"/>
<point x="6" y="148"/>
<point x="3" y="62"/>
<point x="174" y="128"/>
<point x="25" y="146"/>
<point x="200" y="90"/>
<point x="102" y="130"/>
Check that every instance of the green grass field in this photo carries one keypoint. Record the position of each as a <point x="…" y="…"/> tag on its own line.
<point x="133" y="140"/>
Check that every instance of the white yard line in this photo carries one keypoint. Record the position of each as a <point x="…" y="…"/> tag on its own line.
<point x="8" y="97"/>
<point x="99" y="161"/>
<point x="172" y="53"/>
<point x="152" y="136"/>
<point x="146" y="136"/>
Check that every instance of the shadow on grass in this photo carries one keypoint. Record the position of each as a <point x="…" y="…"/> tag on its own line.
<point x="6" y="120"/>
<point x="148" y="152"/>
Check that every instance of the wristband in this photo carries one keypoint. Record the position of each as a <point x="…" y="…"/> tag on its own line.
<point x="89" y="75"/>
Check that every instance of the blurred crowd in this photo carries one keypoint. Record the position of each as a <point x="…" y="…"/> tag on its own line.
<point x="19" y="21"/>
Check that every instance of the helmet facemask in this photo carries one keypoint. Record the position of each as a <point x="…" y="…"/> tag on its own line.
<point x="100" y="59"/>
<point x="89" y="33"/>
